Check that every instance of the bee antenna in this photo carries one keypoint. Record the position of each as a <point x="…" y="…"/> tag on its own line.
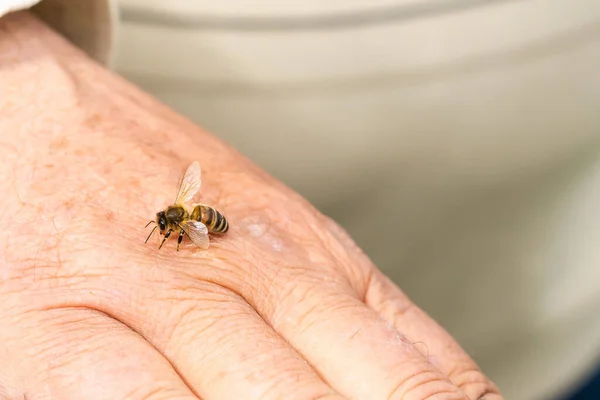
<point x="149" y="223"/>
<point x="151" y="232"/>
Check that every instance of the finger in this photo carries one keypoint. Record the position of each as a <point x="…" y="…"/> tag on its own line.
<point x="216" y="341"/>
<point x="354" y="349"/>
<point x="224" y="350"/>
<point x="313" y="307"/>
<point x="84" y="354"/>
<point x="441" y="349"/>
<point x="381" y="294"/>
<point x="219" y="344"/>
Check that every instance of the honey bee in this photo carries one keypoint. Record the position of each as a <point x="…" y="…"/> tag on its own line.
<point x="196" y="222"/>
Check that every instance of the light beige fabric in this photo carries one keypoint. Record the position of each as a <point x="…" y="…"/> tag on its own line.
<point x="469" y="129"/>
<point x="7" y="6"/>
<point x="89" y="24"/>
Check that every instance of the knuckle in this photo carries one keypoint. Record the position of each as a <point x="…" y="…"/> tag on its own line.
<point x="304" y="305"/>
<point x="42" y="261"/>
<point x="425" y="384"/>
<point x="59" y="337"/>
<point x="289" y="286"/>
<point x="313" y="395"/>
<point x="200" y="311"/>
<point x="66" y="327"/>
<point x="395" y="310"/>
<point x="326" y="396"/>
<point x="349" y="247"/>
<point x="157" y="390"/>
<point x="475" y="384"/>
<point x="290" y="383"/>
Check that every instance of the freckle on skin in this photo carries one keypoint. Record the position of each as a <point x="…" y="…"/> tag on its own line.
<point x="93" y="120"/>
<point x="59" y="144"/>
<point x="110" y="215"/>
<point x="69" y="204"/>
<point x="134" y="182"/>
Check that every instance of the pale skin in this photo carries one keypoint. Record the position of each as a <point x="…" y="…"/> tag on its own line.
<point x="284" y="306"/>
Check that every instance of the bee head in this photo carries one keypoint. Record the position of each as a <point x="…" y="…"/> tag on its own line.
<point x="161" y="220"/>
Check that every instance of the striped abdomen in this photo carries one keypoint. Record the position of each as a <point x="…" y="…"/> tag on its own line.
<point x="214" y="220"/>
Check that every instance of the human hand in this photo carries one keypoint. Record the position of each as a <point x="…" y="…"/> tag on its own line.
<point x="284" y="306"/>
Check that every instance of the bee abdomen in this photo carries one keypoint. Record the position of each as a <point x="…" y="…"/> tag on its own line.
<point x="213" y="219"/>
<point x="221" y="226"/>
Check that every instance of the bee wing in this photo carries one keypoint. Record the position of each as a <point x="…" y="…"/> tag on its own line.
<point x="197" y="231"/>
<point x="190" y="183"/>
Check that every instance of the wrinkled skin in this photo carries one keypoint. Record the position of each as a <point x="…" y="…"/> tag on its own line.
<point x="284" y="306"/>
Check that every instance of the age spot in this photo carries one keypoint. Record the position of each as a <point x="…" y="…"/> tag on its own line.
<point x="69" y="204"/>
<point x="59" y="144"/>
<point x="110" y="215"/>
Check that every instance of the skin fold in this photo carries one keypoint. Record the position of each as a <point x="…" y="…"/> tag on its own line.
<point x="284" y="306"/>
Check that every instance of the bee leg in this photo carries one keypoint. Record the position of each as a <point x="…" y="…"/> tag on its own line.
<point x="151" y="232"/>
<point x="180" y="238"/>
<point x="165" y="238"/>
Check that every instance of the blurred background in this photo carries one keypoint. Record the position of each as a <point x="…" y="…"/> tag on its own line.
<point x="469" y="128"/>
